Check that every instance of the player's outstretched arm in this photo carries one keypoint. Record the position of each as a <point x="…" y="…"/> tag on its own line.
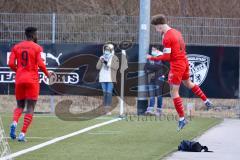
<point x="159" y="56"/>
<point x="165" y="57"/>
<point x="12" y="61"/>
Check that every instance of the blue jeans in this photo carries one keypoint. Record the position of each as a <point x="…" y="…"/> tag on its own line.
<point x="155" y="92"/>
<point x="107" y="88"/>
<point x="159" y="102"/>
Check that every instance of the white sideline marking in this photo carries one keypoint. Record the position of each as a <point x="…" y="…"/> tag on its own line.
<point x="16" y="154"/>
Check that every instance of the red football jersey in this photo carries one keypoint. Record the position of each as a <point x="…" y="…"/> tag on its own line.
<point x="174" y="45"/>
<point x="25" y="59"/>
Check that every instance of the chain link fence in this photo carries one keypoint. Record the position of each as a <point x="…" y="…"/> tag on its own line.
<point x="80" y="28"/>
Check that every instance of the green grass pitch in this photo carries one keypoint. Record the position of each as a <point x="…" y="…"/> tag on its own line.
<point x="135" y="139"/>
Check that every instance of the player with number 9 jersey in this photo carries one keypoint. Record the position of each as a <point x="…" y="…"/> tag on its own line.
<point x="25" y="59"/>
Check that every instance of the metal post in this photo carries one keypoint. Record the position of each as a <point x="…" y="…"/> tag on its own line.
<point x="124" y="66"/>
<point x="239" y="74"/>
<point x="144" y="41"/>
<point x="53" y="42"/>
<point x="53" y="27"/>
<point x="238" y="101"/>
<point x="122" y="92"/>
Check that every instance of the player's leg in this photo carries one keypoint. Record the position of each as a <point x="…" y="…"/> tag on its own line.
<point x="18" y="111"/>
<point x="32" y="92"/>
<point x="20" y="97"/>
<point x="27" y="119"/>
<point x="196" y="89"/>
<point x="174" y="79"/>
<point x="177" y="100"/>
<point x="16" y="115"/>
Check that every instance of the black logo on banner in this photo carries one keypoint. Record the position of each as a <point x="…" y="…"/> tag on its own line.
<point x="198" y="65"/>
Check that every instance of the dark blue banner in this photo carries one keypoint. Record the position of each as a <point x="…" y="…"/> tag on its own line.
<point x="215" y="69"/>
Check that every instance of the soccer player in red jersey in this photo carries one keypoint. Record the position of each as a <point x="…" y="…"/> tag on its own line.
<point x="25" y="59"/>
<point x="175" y="52"/>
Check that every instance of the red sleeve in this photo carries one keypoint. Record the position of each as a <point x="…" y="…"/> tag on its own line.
<point x="165" y="57"/>
<point x="41" y="64"/>
<point x="12" y="60"/>
<point x="167" y="41"/>
<point x="166" y="51"/>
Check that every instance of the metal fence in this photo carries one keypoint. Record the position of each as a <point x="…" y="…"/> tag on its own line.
<point x="76" y="28"/>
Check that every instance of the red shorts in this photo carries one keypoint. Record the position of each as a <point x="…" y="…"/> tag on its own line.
<point x="29" y="91"/>
<point x="178" y="71"/>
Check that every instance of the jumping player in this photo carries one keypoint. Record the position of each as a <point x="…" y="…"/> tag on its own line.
<point x="25" y="59"/>
<point x="174" y="52"/>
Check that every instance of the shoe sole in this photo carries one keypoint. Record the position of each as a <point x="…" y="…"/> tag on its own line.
<point x="21" y="140"/>
<point x="209" y="108"/>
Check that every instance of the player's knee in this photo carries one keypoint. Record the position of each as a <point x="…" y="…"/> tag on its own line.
<point x="30" y="106"/>
<point x="21" y="104"/>
<point x="174" y="93"/>
<point x="189" y="84"/>
<point x="30" y="110"/>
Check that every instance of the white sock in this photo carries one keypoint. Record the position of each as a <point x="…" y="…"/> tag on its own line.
<point x="14" y="123"/>
<point x="22" y="133"/>
<point x="181" y="118"/>
<point x="207" y="100"/>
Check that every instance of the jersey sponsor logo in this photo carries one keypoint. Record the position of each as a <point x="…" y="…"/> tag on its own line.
<point x="198" y="65"/>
